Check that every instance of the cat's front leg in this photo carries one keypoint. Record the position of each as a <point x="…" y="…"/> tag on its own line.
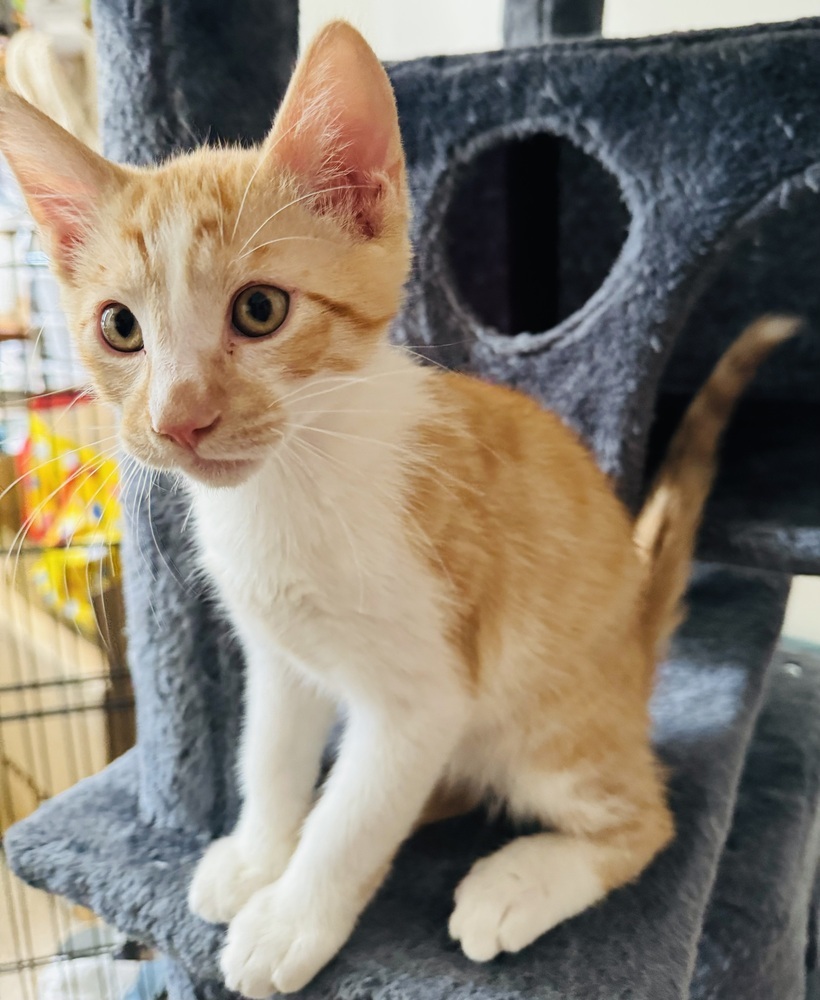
<point x="285" y="729"/>
<point x="388" y="765"/>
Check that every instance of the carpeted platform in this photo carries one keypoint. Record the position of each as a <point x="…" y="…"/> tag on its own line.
<point x="92" y="845"/>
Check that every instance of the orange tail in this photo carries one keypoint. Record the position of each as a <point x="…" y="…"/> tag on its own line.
<point x="667" y="526"/>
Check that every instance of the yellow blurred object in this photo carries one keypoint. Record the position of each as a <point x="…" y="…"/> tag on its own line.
<point x="67" y="579"/>
<point x="71" y="509"/>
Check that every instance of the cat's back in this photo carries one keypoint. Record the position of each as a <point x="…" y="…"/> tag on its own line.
<point x="521" y="515"/>
<point x="504" y="440"/>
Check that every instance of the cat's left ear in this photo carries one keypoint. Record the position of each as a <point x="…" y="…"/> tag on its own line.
<point x="64" y="182"/>
<point x="337" y="132"/>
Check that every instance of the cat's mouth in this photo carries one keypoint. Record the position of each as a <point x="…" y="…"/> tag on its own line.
<point x="214" y="472"/>
<point x="219" y="472"/>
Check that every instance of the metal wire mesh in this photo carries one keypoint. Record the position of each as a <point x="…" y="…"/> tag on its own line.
<point x="66" y="703"/>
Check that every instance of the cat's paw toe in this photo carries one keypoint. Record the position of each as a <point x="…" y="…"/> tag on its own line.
<point x="489" y="919"/>
<point x="478" y="915"/>
<point x="277" y="943"/>
<point x="511" y="898"/>
<point x="228" y="875"/>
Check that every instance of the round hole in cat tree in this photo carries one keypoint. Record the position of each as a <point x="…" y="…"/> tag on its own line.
<point x="533" y="228"/>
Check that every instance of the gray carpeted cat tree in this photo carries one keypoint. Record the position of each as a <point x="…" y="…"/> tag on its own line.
<point x="594" y="221"/>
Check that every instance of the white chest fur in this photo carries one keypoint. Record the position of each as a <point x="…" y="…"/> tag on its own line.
<point x="314" y="553"/>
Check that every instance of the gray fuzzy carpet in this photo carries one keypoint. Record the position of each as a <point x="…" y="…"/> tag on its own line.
<point x="680" y="200"/>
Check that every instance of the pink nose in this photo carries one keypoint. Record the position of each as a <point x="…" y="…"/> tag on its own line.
<point x="188" y="433"/>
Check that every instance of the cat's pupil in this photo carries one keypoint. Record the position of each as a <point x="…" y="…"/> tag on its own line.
<point x="124" y="323"/>
<point x="259" y="307"/>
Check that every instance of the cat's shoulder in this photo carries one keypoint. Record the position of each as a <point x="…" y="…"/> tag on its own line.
<point x="493" y="408"/>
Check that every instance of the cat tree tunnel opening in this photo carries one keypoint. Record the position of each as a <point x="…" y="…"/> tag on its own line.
<point x="765" y="508"/>
<point x="533" y="228"/>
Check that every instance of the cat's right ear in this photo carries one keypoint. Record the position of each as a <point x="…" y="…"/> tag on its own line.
<point x="64" y="182"/>
<point x="337" y="133"/>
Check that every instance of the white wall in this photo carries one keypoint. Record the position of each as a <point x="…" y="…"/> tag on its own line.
<point x="402" y="29"/>
<point x="623" y="18"/>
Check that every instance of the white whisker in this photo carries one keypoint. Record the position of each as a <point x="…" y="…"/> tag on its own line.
<point x="263" y="155"/>
<point x="300" y="394"/>
<point x="393" y="501"/>
<point x="57" y="458"/>
<point x="296" y="201"/>
<point x="283" y="239"/>
<point x="413" y="456"/>
<point x="256" y="170"/>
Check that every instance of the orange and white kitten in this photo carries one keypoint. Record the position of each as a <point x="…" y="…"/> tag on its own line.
<point x="440" y="557"/>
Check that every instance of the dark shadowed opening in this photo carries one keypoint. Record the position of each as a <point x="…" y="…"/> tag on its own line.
<point x="533" y="229"/>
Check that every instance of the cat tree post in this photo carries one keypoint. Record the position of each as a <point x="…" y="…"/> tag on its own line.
<point x="176" y="73"/>
<point x="172" y="75"/>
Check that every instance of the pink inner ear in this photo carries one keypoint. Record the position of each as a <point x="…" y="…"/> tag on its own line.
<point x="63" y="209"/>
<point x="350" y="173"/>
<point x="367" y="124"/>
<point x="62" y="216"/>
<point x="338" y="132"/>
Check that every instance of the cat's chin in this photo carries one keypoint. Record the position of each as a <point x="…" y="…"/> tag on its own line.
<point x="213" y="472"/>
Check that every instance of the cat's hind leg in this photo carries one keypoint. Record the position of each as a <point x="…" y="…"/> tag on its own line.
<point x="447" y="802"/>
<point x="605" y="831"/>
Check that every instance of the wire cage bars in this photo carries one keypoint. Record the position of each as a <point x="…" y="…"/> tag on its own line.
<point x="66" y="703"/>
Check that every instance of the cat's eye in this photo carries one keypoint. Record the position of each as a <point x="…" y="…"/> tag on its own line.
<point x="121" y="329"/>
<point x="259" y="310"/>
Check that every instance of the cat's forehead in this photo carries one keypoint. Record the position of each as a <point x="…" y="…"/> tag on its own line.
<point x="206" y="187"/>
<point x="176" y="221"/>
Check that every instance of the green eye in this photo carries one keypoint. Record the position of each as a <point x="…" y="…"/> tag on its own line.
<point x="120" y="328"/>
<point x="259" y="310"/>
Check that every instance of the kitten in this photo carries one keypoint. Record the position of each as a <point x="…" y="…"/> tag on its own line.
<point x="441" y="557"/>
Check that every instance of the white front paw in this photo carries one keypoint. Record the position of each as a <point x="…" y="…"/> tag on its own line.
<point x="229" y="873"/>
<point x="511" y="898"/>
<point x="278" y="942"/>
